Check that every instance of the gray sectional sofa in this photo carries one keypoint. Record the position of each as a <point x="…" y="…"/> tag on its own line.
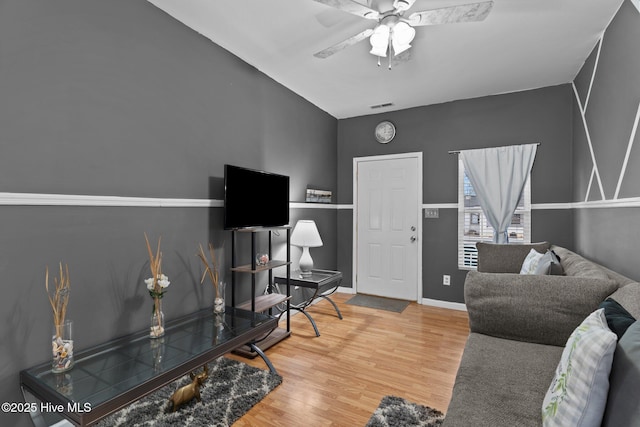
<point x="519" y="326"/>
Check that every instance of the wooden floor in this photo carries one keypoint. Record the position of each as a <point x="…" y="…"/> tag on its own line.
<point x="338" y="379"/>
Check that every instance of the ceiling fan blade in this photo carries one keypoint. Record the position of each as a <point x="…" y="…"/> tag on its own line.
<point x="450" y="15"/>
<point x="352" y="7"/>
<point x="402" y="5"/>
<point x="344" y="44"/>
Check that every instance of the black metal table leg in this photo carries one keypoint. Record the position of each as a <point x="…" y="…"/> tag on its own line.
<point x="333" y="304"/>
<point x="264" y="357"/>
<point x="313" y="323"/>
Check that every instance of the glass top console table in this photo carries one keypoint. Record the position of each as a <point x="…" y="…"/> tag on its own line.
<point x="110" y="376"/>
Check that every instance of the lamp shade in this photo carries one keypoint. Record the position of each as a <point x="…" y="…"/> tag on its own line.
<point x="305" y="234"/>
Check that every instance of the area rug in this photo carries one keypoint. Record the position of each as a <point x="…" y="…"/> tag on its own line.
<point x="230" y="391"/>
<point x="389" y="304"/>
<point x="397" y="412"/>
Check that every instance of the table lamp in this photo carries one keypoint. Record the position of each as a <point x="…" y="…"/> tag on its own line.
<point x="305" y="235"/>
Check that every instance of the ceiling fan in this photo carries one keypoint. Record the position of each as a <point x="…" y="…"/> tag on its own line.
<point x="394" y="32"/>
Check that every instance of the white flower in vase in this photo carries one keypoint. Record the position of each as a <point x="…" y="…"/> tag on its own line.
<point x="163" y="281"/>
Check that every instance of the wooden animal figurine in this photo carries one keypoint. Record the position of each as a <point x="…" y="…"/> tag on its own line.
<point x="186" y="393"/>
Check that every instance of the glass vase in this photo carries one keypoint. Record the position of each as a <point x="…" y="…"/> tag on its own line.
<point x="219" y="300"/>
<point x="157" y="354"/>
<point x="157" y="320"/>
<point x="218" y="324"/>
<point x="62" y="347"/>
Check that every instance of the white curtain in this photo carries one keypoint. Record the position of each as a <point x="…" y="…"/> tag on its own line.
<point x="498" y="176"/>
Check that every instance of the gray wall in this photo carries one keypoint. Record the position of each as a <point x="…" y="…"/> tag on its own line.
<point x="609" y="235"/>
<point x="117" y="98"/>
<point x="542" y="115"/>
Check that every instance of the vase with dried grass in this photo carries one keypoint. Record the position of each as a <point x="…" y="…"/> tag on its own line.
<point x="211" y="271"/>
<point x="156" y="285"/>
<point x="61" y="339"/>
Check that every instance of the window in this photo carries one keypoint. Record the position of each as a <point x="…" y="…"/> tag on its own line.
<point x="473" y="226"/>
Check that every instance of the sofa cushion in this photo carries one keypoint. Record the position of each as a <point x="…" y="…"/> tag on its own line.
<point x="578" y="266"/>
<point x="505" y="258"/>
<point x="618" y="319"/>
<point x="624" y="394"/>
<point x="540" y="309"/>
<point x="578" y="393"/>
<point x="500" y="381"/>
<point x="628" y="296"/>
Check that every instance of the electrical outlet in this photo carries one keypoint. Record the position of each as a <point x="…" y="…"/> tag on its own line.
<point x="446" y="280"/>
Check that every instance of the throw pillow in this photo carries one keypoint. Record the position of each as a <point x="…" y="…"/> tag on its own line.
<point x="624" y="394"/>
<point x="628" y="296"/>
<point x="578" y="393"/>
<point x="618" y="318"/>
<point x="549" y="264"/>
<point x="531" y="262"/>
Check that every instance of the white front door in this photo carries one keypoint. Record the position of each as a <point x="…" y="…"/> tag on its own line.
<point x="387" y="228"/>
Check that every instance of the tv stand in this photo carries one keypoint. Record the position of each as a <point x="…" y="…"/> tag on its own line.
<point x="262" y="303"/>
<point x="110" y="376"/>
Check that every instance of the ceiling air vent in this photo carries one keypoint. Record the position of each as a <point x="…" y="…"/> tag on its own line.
<point x="386" y="104"/>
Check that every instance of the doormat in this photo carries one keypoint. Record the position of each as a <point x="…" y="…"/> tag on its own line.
<point x="381" y="303"/>
<point x="397" y="412"/>
<point x="232" y="389"/>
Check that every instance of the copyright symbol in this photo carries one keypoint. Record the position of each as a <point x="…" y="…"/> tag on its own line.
<point x="6" y="407"/>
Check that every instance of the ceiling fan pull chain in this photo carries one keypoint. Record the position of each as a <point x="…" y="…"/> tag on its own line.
<point x="389" y="55"/>
<point x="378" y="61"/>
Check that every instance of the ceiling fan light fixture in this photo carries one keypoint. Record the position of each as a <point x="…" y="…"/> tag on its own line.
<point x="401" y="37"/>
<point x="399" y="48"/>
<point x="379" y="51"/>
<point x="403" y="33"/>
<point x="380" y="40"/>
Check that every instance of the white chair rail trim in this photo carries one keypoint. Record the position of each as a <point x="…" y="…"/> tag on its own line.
<point x="46" y="199"/>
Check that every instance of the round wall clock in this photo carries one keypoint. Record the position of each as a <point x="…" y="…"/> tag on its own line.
<point x="385" y="131"/>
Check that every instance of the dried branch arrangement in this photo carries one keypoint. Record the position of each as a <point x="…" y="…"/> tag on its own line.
<point x="60" y="297"/>
<point x="156" y="285"/>
<point x="210" y="270"/>
<point x="155" y="265"/>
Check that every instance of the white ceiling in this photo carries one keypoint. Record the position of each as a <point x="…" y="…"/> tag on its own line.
<point x="522" y="44"/>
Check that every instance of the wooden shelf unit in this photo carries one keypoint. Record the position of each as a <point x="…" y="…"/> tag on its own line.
<point x="262" y="303"/>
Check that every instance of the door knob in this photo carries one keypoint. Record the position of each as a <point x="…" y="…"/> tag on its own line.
<point x="412" y="238"/>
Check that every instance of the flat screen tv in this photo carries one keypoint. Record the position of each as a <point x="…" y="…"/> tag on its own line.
<point x="254" y="198"/>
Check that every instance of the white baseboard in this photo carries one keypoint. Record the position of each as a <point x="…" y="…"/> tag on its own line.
<point x="345" y="290"/>
<point x="444" y="304"/>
